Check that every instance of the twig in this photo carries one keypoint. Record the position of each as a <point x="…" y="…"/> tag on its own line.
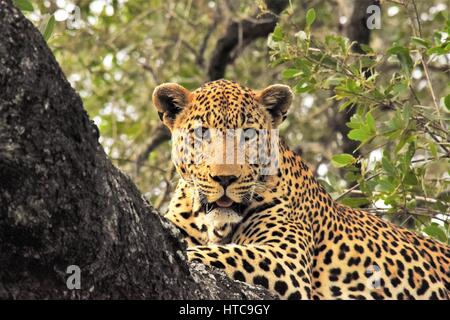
<point x="352" y="189"/>
<point x="426" y="212"/>
<point x="160" y="135"/>
<point x="190" y="48"/>
<point x="428" y="159"/>
<point x="201" y="52"/>
<point x="430" y="87"/>
<point x="438" y="142"/>
<point x="409" y="197"/>
<point x="163" y="197"/>
<point x="151" y="70"/>
<point x="417" y="17"/>
<point x="423" y="62"/>
<point x="397" y="2"/>
<point x="143" y="165"/>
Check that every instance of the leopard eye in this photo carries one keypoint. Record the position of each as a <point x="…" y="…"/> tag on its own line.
<point x="202" y="133"/>
<point x="198" y="133"/>
<point x="249" y="134"/>
<point x="206" y="134"/>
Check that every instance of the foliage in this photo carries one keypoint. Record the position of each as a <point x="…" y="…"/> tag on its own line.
<point x="395" y="115"/>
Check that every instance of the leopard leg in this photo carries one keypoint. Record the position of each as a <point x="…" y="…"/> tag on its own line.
<point x="258" y="264"/>
<point x="187" y="216"/>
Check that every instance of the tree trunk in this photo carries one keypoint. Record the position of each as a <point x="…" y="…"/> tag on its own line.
<point x="63" y="203"/>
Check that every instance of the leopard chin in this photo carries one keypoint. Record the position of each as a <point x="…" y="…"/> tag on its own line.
<point x="223" y="203"/>
<point x="221" y="223"/>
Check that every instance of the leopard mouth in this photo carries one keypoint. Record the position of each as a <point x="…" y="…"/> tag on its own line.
<point x="225" y="203"/>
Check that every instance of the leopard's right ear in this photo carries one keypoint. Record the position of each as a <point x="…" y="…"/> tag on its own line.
<point x="169" y="99"/>
<point x="276" y="99"/>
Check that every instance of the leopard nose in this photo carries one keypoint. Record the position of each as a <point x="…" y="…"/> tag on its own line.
<point x="224" y="181"/>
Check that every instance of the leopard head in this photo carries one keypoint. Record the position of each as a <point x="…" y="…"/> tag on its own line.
<point x="224" y="141"/>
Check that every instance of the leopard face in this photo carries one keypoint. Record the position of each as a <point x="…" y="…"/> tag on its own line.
<point x="222" y="135"/>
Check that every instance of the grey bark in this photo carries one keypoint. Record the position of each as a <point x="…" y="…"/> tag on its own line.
<point x="63" y="203"/>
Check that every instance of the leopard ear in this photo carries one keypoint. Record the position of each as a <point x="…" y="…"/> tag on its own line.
<point x="276" y="99"/>
<point x="169" y="99"/>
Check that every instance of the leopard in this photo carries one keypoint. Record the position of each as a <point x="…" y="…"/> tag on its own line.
<point x="279" y="228"/>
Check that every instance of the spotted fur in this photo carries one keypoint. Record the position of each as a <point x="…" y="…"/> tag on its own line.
<point x="289" y="235"/>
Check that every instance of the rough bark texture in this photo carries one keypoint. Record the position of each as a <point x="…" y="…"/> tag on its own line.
<point x="63" y="203"/>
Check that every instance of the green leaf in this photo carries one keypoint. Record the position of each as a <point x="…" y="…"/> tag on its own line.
<point x="410" y="179"/>
<point x="409" y="154"/>
<point x="388" y="166"/>
<point x="326" y="185"/>
<point x="333" y="81"/>
<point x="433" y="149"/>
<point x="277" y="34"/>
<point x="411" y="205"/>
<point x="359" y="134"/>
<point x="420" y="42"/>
<point x="49" y="28"/>
<point x="351" y="176"/>
<point x="24" y="5"/>
<point x="366" y="48"/>
<point x="405" y="137"/>
<point x="437" y="51"/>
<point x="403" y="57"/>
<point x="385" y="186"/>
<point x="303" y="87"/>
<point x="371" y="123"/>
<point x="435" y="231"/>
<point x="355" y="122"/>
<point x="447" y="102"/>
<point x="310" y="17"/>
<point x="355" y="202"/>
<point x="346" y="104"/>
<point x="342" y="160"/>
<point x="291" y="73"/>
<point x="398" y="88"/>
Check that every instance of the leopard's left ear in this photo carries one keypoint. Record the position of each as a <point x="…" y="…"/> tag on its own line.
<point x="169" y="100"/>
<point x="276" y="99"/>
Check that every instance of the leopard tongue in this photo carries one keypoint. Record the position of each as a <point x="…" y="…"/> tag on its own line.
<point x="224" y="202"/>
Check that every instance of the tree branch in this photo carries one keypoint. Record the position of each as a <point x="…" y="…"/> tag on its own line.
<point x="240" y="34"/>
<point x="160" y="135"/>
